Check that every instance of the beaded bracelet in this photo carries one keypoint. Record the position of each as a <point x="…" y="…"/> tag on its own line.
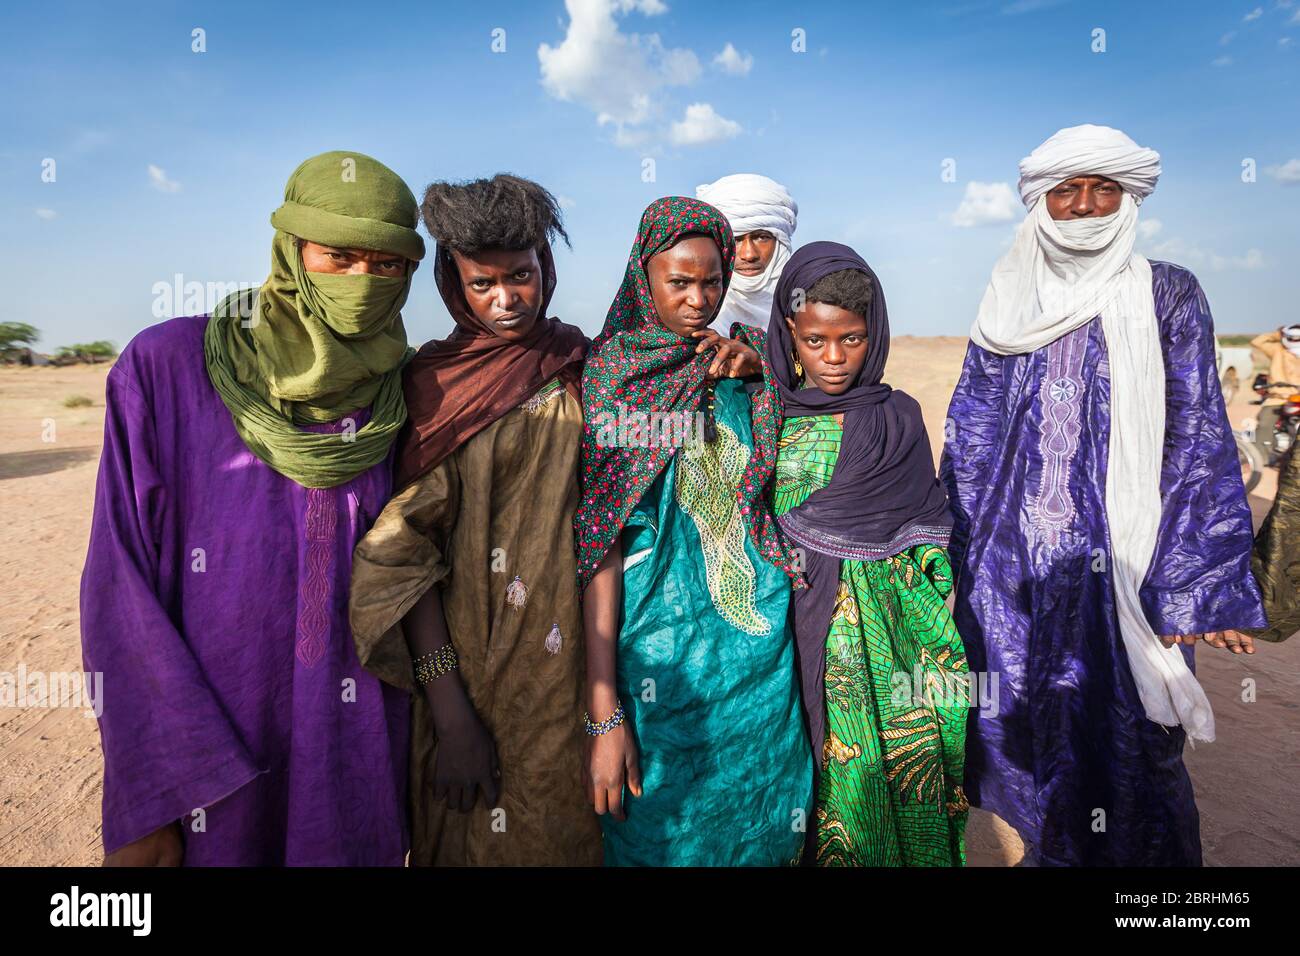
<point x="431" y="666"/>
<point x="606" y="725"/>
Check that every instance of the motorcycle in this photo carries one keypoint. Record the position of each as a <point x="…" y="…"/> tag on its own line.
<point x="1266" y="445"/>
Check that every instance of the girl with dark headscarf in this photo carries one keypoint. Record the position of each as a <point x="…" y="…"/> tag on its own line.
<point x="464" y="590"/>
<point x="881" y="663"/>
<point x="693" y="706"/>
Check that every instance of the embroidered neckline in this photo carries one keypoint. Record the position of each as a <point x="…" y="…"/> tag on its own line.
<point x="1060" y="398"/>
<point x="705" y="489"/>
<point x="545" y="395"/>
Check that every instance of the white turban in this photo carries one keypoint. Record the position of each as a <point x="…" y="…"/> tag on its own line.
<point x="1057" y="277"/>
<point x="750" y="203"/>
<point x="1089" y="151"/>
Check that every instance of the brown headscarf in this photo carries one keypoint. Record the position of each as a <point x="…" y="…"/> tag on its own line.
<point x="457" y="386"/>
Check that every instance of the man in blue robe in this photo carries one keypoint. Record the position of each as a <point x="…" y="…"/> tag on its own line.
<point x="1101" y="522"/>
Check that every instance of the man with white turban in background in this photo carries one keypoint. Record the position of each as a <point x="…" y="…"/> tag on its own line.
<point x="1101" y="524"/>
<point x="763" y="218"/>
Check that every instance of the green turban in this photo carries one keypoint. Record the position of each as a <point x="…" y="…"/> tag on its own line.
<point x="312" y="347"/>
<point x="350" y="201"/>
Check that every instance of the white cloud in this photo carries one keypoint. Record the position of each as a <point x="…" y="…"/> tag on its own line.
<point x="1288" y="173"/>
<point x="627" y="137"/>
<point x="1184" y="253"/>
<point x="1149" y="228"/>
<point x="731" y="61"/>
<point x="46" y="214"/>
<point x="566" y="202"/>
<point x="616" y="75"/>
<point x="1251" y="261"/>
<point x="702" y="124"/>
<point x="986" y="203"/>
<point x="1253" y="15"/>
<point x="1295" y="18"/>
<point x="160" y="181"/>
<point x="1221" y="61"/>
<point x="1227" y="38"/>
<point x="1284" y="41"/>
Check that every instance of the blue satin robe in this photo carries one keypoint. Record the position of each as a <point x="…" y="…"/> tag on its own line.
<point x="1069" y="758"/>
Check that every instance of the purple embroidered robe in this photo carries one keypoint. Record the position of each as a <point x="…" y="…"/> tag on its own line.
<point x="1026" y="471"/>
<point x="215" y="603"/>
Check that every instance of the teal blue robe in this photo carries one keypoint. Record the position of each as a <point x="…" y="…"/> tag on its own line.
<point x="706" y="672"/>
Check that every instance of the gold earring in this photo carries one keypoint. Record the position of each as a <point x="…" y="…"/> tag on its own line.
<point x="798" y="368"/>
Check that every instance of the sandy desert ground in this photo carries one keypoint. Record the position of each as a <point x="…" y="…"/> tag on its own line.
<point x="1247" y="782"/>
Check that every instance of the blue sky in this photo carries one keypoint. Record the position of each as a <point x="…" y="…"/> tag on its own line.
<point x="858" y="127"/>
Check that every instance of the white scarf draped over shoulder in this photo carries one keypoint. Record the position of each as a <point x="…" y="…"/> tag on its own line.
<point x="1057" y="276"/>
<point x="752" y="202"/>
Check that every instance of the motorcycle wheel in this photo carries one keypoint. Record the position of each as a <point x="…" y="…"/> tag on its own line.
<point x="1251" y="461"/>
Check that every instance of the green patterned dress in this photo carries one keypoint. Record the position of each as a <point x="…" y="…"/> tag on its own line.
<point x="896" y="706"/>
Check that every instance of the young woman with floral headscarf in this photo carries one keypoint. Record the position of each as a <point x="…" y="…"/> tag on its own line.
<point x="693" y="705"/>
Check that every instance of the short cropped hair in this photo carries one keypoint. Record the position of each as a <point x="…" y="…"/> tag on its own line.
<point x="849" y="289"/>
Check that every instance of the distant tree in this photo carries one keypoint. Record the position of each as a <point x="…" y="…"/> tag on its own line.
<point x="15" y="335"/>
<point x="87" y="352"/>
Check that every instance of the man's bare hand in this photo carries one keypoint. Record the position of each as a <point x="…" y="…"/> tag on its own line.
<point x="163" y="847"/>
<point x="1235" y="641"/>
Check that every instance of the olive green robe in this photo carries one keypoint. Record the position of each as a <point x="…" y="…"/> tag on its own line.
<point x="500" y="506"/>
<point x="1276" y="560"/>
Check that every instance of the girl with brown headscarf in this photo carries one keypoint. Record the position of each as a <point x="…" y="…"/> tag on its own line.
<point x="464" y="591"/>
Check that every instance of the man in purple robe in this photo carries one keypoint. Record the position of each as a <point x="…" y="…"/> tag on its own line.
<point x="245" y="454"/>
<point x="1101" y="521"/>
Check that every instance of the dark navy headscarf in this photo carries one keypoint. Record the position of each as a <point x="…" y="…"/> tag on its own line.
<point x="883" y="496"/>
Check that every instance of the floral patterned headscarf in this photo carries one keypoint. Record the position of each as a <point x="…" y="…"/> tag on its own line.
<point x="638" y="363"/>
